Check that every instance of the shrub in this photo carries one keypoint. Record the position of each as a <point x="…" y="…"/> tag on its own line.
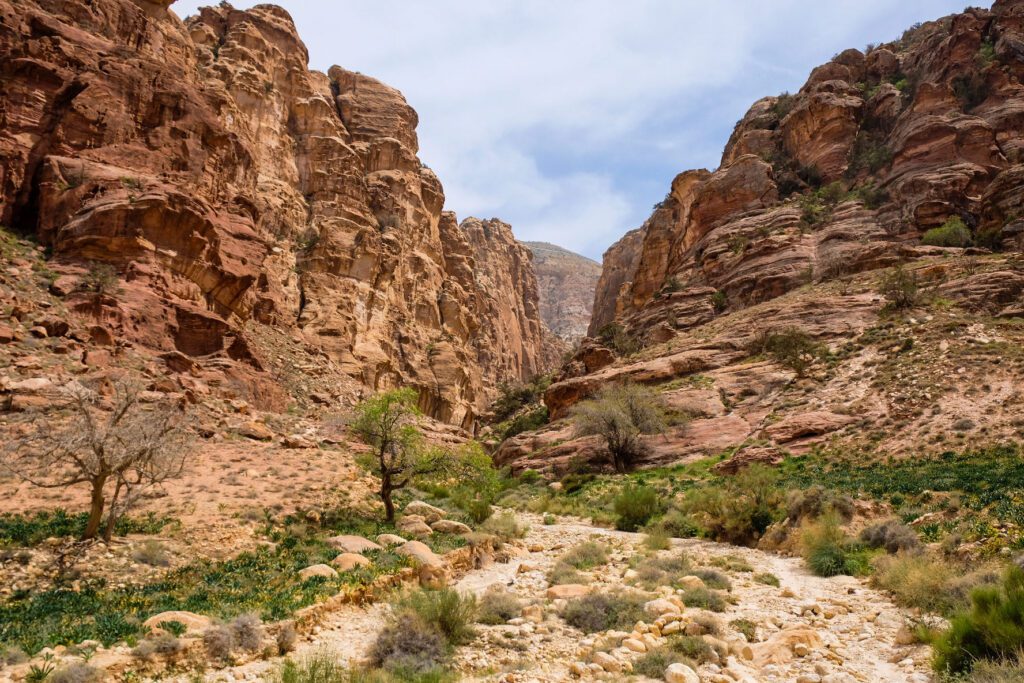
<point x="175" y="628"/>
<point x="740" y="509"/>
<point x="321" y="666"/>
<point x="900" y="288"/>
<point x="746" y="627"/>
<point x="952" y="233"/>
<point x="784" y="104"/>
<point x="635" y="506"/>
<point x="505" y="526"/>
<point x="678" y="524"/>
<point x="526" y="422"/>
<point x="790" y="348"/>
<point x="219" y="642"/>
<point x="445" y="610"/>
<point x="497" y="606"/>
<point x="702" y="598"/>
<point x="993" y="628"/>
<point x="153" y="553"/>
<point x="655" y="572"/>
<point x="286" y="639"/>
<point x="689" y="650"/>
<point x="586" y="555"/>
<point x="719" y="301"/>
<point x="892" y="535"/>
<point x="869" y="153"/>
<point x="620" y="414"/>
<point x="248" y="632"/>
<point x="77" y="673"/>
<point x="409" y="643"/>
<point x="732" y="563"/>
<point x="827" y="550"/>
<point x="926" y="582"/>
<point x="604" y="611"/>
<point x="768" y="579"/>
<point x="817" y="501"/>
<point x="713" y="579"/>
<point x="513" y="397"/>
<point x="561" y="574"/>
<point x="164" y="644"/>
<point x="101" y="279"/>
<point x="657" y="539"/>
<point x="617" y="338"/>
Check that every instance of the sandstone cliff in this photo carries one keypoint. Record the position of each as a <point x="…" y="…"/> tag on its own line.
<point x="819" y="196"/>
<point x="567" y="282"/>
<point x="238" y="193"/>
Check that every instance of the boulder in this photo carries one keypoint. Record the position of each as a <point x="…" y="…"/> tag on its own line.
<point x="388" y="540"/>
<point x="349" y="561"/>
<point x="448" y="526"/>
<point x="352" y="544"/>
<point x="318" y="570"/>
<point x="420" y="553"/>
<point x="256" y="431"/>
<point x="680" y="673"/>
<point x="567" y="591"/>
<point x="414" y="525"/>
<point x="429" y="513"/>
<point x="192" y="622"/>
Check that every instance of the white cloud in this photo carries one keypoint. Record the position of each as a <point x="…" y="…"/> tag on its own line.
<point x="568" y="119"/>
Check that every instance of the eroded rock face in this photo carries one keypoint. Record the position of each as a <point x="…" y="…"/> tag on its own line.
<point x="231" y="187"/>
<point x="819" y="195"/>
<point x="567" y="283"/>
<point x="916" y="131"/>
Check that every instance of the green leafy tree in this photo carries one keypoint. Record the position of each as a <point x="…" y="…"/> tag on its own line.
<point x="621" y="414"/>
<point x="389" y="424"/>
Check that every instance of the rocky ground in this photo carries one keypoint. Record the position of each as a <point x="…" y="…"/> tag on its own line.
<point x="808" y="629"/>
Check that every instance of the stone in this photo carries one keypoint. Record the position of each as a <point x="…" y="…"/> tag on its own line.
<point x="427" y="512"/>
<point x="690" y="582"/>
<point x="634" y="645"/>
<point x="352" y="544"/>
<point x="318" y="570"/>
<point x="192" y="622"/>
<point x="420" y="553"/>
<point x="567" y="591"/>
<point x="607" y="662"/>
<point x="414" y="525"/>
<point x="389" y="540"/>
<point x="348" y="561"/>
<point x="680" y="673"/>
<point x="255" y="430"/>
<point x="447" y="526"/>
<point x="297" y="441"/>
<point x="660" y="606"/>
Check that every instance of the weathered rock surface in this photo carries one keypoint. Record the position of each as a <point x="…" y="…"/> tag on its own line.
<point x="230" y="188"/>
<point x="567" y="283"/>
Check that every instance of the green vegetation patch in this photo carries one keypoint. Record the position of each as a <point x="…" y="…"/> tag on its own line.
<point x="34" y="528"/>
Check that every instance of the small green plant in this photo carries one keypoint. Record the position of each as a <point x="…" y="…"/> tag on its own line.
<point x="783" y="104"/>
<point x="635" y="506"/>
<point x="153" y="553"/>
<point x="952" y="233"/>
<point x="702" y="598"/>
<point x="446" y="610"/>
<point x="657" y="539"/>
<point x="827" y="550"/>
<point x="790" y="348"/>
<point x="505" y="526"/>
<point x="175" y="628"/>
<point x="603" y="611"/>
<point x="37" y="673"/>
<point x="900" y="288"/>
<point x="101" y="279"/>
<point x="746" y="627"/>
<point x="321" y="666"/>
<point x="618" y="338"/>
<point x="719" y="301"/>
<point x="767" y="579"/>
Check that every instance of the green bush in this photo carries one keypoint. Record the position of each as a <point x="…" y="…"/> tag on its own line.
<point x="702" y="598"/>
<point x="621" y="414"/>
<point x="689" y="650"/>
<point x="635" y="506"/>
<point x="740" y="509"/>
<point x="746" y="627"/>
<point x="827" y="550"/>
<point x="900" y="288"/>
<point x="713" y="579"/>
<point x="562" y="573"/>
<point x="654" y="572"/>
<point x="604" y="611"/>
<point x="790" y="348"/>
<point x="952" y="233"/>
<point x="767" y="578"/>
<point x="497" y="606"/>
<point x="586" y="555"/>
<point x="505" y="526"/>
<point x="526" y="422"/>
<point x="451" y="613"/>
<point x="32" y="529"/>
<point x="993" y="628"/>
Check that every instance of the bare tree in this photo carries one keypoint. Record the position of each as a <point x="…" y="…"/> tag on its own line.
<point x="621" y="414"/>
<point x="119" y="450"/>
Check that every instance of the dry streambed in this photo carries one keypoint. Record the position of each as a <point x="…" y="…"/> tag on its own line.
<point x="807" y="629"/>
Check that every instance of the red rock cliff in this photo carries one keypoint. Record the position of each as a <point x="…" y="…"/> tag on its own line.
<point x="231" y="186"/>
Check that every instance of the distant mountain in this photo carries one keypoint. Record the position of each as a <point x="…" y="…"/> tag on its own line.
<point x="567" y="282"/>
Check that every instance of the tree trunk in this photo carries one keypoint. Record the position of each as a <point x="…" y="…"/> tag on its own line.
<point x="385" y="495"/>
<point x="108" y="531"/>
<point x="96" y="505"/>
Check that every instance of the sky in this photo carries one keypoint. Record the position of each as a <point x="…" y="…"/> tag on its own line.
<point x="568" y="119"/>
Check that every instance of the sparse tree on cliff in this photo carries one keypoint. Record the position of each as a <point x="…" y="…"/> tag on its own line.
<point x="119" y="450"/>
<point x="620" y="414"/>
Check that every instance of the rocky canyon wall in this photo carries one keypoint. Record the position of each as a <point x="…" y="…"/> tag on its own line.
<point x="229" y="186"/>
